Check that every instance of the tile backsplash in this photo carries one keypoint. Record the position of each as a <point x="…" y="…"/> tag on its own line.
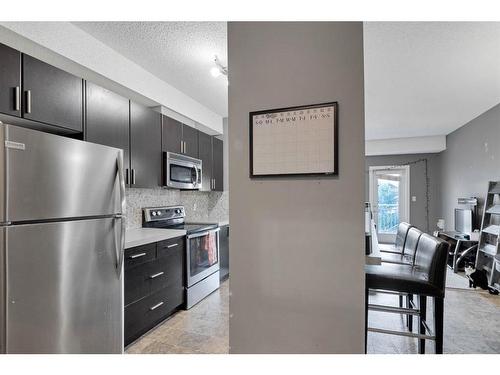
<point x="200" y="206"/>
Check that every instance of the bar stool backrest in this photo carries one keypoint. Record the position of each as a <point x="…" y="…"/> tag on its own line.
<point x="431" y="258"/>
<point x="401" y="235"/>
<point x="411" y="242"/>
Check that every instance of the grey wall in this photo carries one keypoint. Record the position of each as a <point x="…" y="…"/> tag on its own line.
<point x="471" y="159"/>
<point x="424" y="184"/>
<point x="297" y="280"/>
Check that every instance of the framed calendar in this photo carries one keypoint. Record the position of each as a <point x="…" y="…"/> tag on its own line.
<point x="300" y="141"/>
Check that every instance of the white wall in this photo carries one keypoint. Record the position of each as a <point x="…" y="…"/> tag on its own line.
<point x="297" y="244"/>
<point x="405" y="146"/>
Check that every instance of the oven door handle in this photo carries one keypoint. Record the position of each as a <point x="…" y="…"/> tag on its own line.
<point x="201" y="234"/>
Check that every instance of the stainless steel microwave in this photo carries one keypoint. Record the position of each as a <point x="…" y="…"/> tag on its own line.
<point x="181" y="171"/>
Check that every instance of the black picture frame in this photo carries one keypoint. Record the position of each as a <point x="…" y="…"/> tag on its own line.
<point x="335" y="143"/>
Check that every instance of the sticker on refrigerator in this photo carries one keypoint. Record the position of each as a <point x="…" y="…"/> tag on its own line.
<point x="15" y="145"/>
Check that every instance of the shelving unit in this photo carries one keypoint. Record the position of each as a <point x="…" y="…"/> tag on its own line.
<point x="488" y="255"/>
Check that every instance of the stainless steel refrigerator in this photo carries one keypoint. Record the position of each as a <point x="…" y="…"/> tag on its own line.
<point x="61" y="244"/>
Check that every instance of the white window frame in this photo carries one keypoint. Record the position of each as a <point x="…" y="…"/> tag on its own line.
<point x="406" y="204"/>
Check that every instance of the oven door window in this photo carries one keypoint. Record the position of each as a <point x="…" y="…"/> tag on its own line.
<point x="179" y="173"/>
<point x="202" y="253"/>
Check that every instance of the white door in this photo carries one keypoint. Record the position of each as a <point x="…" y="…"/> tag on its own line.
<point x="390" y="199"/>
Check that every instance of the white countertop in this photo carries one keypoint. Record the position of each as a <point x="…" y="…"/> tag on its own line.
<point x="143" y="236"/>
<point x="220" y="222"/>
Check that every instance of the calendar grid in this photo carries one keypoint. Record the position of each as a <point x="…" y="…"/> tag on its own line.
<point x="294" y="141"/>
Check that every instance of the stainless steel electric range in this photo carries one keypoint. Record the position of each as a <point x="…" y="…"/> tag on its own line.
<point x="202" y="249"/>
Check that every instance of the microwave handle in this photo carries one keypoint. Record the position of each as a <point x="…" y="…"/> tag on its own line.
<point x="197" y="176"/>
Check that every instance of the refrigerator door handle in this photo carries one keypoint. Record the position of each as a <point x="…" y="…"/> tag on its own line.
<point x="121" y="179"/>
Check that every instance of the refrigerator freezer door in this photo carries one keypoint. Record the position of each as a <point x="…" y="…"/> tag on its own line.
<point x="64" y="290"/>
<point x="50" y="177"/>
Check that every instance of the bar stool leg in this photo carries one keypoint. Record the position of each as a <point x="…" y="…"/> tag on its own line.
<point x="438" y="323"/>
<point x="423" y="314"/>
<point x="409" y="317"/>
<point x="366" y="321"/>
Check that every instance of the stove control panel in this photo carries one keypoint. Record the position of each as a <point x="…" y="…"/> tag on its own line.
<point x="163" y="213"/>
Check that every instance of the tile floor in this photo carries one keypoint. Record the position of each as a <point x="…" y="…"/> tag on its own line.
<point x="472" y="325"/>
<point x="204" y="329"/>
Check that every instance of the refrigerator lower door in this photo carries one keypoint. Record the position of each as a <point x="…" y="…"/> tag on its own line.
<point x="45" y="176"/>
<point x="64" y="287"/>
<point x="2" y="289"/>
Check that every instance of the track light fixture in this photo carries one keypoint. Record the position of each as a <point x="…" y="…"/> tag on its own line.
<point x="218" y="69"/>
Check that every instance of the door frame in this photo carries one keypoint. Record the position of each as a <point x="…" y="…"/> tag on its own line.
<point x="372" y="191"/>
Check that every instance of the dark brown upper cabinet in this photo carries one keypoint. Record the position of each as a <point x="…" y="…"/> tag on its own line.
<point x="190" y="139"/>
<point x="107" y="117"/>
<point x="211" y="153"/>
<point x="205" y="154"/>
<point x="218" y="164"/>
<point x="179" y="138"/>
<point x="171" y="135"/>
<point x="51" y="95"/>
<point x="10" y="81"/>
<point x="145" y="146"/>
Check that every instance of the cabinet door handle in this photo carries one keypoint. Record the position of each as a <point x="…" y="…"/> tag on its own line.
<point x="132" y="177"/>
<point x="135" y="256"/>
<point x="156" y="275"/>
<point x="28" y="101"/>
<point x="156" y="306"/>
<point x="182" y="148"/>
<point x="126" y="176"/>
<point x="173" y="245"/>
<point x="17" y="98"/>
<point x="185" y="148"/>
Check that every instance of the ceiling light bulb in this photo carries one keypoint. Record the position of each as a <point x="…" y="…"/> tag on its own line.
<point x="215" y="72"/>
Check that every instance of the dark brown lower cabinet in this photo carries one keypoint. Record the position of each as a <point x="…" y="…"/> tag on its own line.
<point x="154" y="285"/>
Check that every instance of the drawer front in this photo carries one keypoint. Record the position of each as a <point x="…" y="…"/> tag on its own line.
<point x="166" y="272"/>
<point x="139" y="255"/>
<point x="137" y="284"/>
<point x="172" y="246"/>
<point x="146" y="313"/>
<point x="150" y="277"/>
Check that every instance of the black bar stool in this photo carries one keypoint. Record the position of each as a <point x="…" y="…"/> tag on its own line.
<point x="407" y="256"/>
<point x="398" y="246"/>
<point x="425" y="278"/>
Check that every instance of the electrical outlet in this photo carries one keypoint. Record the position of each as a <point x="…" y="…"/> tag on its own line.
<point x="413" y="198"/>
